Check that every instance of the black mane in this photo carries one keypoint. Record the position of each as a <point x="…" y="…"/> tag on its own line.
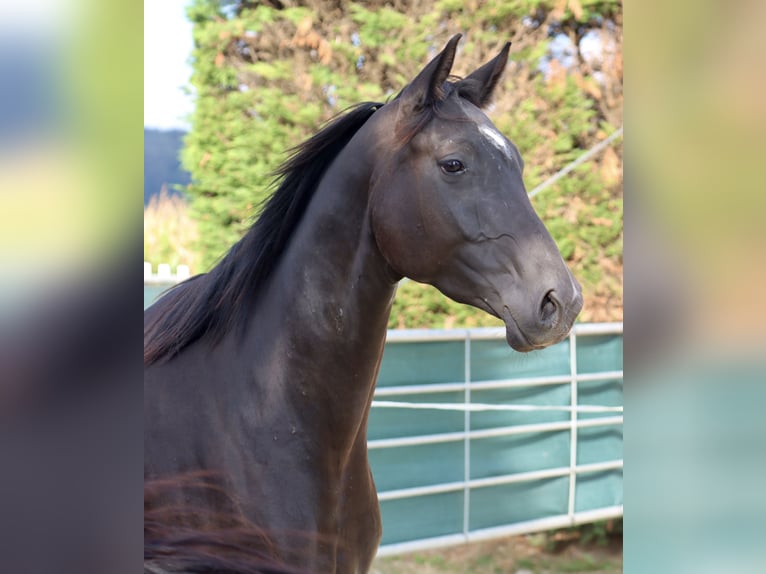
<point x="214" y="303"/>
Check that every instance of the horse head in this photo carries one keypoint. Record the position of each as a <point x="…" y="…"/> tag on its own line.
<point x="449" y="207"/>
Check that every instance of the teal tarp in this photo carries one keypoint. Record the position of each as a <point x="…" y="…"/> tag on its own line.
<point x="425" y="465"/>
<point x="152" y="292"/>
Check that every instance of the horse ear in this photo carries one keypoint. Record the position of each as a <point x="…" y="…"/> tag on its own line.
<point x="426" y="88"/>
<point x="477" y="87"/>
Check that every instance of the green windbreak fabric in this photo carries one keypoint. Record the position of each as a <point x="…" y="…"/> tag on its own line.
<point x="400" y="467"/>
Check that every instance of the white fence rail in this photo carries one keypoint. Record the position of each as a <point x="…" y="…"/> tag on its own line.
<point x="164" y="274"/>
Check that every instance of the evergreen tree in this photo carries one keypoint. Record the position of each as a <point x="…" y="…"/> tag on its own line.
<point x="267" y="74"/>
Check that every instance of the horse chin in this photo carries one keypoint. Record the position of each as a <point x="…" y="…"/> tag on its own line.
<point x="518" y="340"/>
<point x="514" y="335"/>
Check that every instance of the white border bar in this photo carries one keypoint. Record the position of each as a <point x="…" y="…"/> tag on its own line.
<point x="488" y="333"/>
<point x="498" y="480"/>
<point x="164" y="276"/>
<point x="494" y="384"/>
<point x="490" y="433"/>
<point x="541" y="524"/>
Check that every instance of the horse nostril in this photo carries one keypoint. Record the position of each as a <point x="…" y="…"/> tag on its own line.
<point x="549" y="308"/>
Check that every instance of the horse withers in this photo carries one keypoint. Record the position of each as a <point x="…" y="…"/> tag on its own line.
<point x="261" y="372"/>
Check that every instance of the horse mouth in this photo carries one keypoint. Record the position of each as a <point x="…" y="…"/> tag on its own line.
<point x="515" y="335"/>
<point x="518" y="339"/>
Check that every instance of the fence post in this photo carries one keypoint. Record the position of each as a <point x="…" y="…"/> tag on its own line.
<point x="467" y="443"/>
<point x="573" y="422"/>
<point x="163" y="271"/>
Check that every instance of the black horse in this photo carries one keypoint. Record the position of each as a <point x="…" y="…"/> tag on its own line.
<point x="261" y="372"/>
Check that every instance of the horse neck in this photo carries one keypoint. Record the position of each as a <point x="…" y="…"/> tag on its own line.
<point x="332" y="293"/>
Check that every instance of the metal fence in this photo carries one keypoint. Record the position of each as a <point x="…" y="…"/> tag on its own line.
<point x="165" y="276"/>
<point x="571" y="417"/>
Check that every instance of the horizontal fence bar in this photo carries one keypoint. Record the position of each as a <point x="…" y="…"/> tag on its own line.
<point x="538" y="381"/>
<point x="544" y="474"/>
<point x="527" y="527"/>
<point x="420" y="389"/>
<point x="483" y="407"/>
<point x="164" y="275"/>
<point x="490" y="433"/>
<point x="545" y="427"/>
<point x="494" y="384"/>
<point x="415" y="440"/>
<point x="420" y="491"/>
<point x="497" y="480"/>
<point x="488" y="333"/>
<point x="593" y="329"/>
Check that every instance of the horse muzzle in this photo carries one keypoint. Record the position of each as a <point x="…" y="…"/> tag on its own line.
<point x="533" y="327"/>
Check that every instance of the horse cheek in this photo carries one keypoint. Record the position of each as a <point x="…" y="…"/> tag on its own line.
<point x="401" y="236"/>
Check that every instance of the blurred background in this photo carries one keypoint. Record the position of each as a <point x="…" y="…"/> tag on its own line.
<point x="71" y="144"/>
<point x="71" y="153"/>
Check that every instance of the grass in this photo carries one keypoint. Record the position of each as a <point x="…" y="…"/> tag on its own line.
<point x="532" y="554"/>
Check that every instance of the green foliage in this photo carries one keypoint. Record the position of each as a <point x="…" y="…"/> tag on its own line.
<point x="599" y="534"/>
<point x="266" y="78"/>
<point x="422" y="306"/>
<point x="377" y="25"/>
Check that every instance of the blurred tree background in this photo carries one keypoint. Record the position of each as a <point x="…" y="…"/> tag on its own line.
<point x="268" y="74"/>
<point x="161" y="163"/>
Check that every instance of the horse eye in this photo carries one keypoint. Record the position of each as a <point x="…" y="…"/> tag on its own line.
<point x="452" y="166"/>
